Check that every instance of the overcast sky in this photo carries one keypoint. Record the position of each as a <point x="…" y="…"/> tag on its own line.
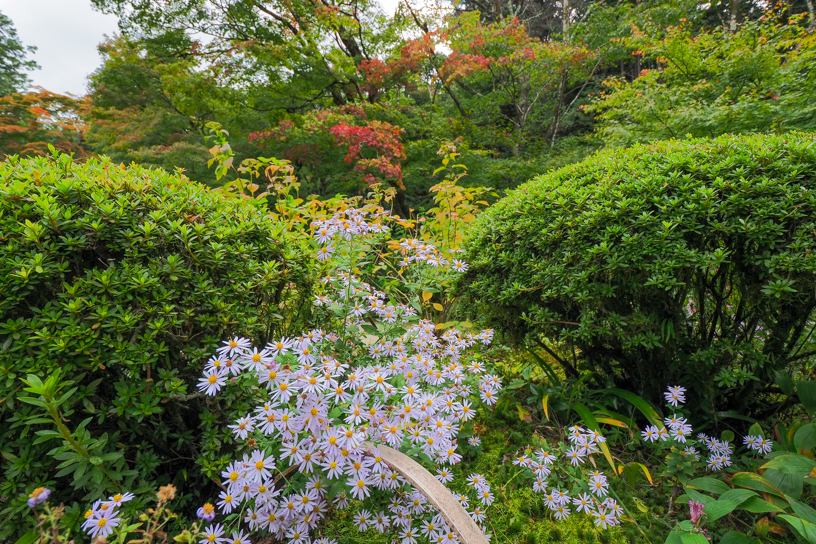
<point x="66" y="33"/>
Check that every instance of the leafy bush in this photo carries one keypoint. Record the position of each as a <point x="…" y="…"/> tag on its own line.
<point x="718" y="82"/>
<point x="683" y="261"/>
<point x="115" y="285"/>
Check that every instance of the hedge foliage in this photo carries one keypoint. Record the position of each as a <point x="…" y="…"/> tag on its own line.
<point x="124" y="280"/>
<point x="690" y="261"/>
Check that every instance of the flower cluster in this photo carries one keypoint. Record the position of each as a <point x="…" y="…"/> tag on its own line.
<point x="37" y="496"/>
<point x="376" y="373"/>
<point x="679" y="430"/>
<point x="720" y="452"/>
<point x="416" y="251"/>
<point x="603" y="509"/>
<point x="103" y="517"/>
<point x="758" y="444"/>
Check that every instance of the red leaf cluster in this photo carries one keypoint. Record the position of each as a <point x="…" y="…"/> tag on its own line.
<point x="383" y="139"/>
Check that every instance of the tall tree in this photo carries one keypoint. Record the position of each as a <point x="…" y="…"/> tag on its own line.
<point x="287" y="55"/>
<point x="13" y="59"/>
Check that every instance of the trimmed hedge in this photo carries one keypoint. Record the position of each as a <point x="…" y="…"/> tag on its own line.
<point x="125" y="280"/>
<point x="684" y="262"/>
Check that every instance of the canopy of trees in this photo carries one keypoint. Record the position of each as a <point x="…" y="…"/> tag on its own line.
<point x="355" y="96"/>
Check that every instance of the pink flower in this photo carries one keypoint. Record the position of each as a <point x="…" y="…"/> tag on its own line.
<point x="696" y="509"/>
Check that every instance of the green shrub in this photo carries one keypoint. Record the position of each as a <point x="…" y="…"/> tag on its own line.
<point x="679" y="262"/>
<point x="124" y="280"/>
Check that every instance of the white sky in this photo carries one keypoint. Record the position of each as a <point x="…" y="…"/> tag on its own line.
<point x="66" y="33"/>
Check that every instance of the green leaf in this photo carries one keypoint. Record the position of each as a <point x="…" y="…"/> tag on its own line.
<point x="806" y="390"/>
<point x="712" y="485"/>
<point x="790" y="484"/>
<point x="27" y="538"/>
<point x="803" y="510"/>
<point x="693" y="538"/>
<point x="589" y="420"/>
<point x="371" y="330"/>
<point x="719" y="508"/>
<point x="791" y="463"/>
<point x="749" y="480"/>
<point x="638" y="402"/>
<point x="699" y="497"/>
<point x="784" y="381"/>
<point x="803" y="528"/>
<point x="728" y="436"/>
<point x="739" y="495"/>
<point x="805" y="437"/>
<point x="756" y="430"/>
<point x="735" y="537"/>
<point x="756" y="505"/>
<point x="674" y="538"/>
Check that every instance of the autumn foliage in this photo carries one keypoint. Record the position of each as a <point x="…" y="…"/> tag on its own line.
<point x="30" y="122"/>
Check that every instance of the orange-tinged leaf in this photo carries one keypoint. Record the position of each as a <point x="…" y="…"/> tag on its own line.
<point x="438" y="307"/>
<point x="645" y="472"/>
<point x="546" y="408"/>
<point x="610" y="421"/>
<point x="749" y="480"/>
<point x="426" y="296"/>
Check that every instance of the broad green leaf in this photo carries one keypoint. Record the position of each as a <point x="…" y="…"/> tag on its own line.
<point x="27" y="538"/>
<point x="756" y="505"/>
<point x="803" y="528"/>
<point x="805" y="437"/>
<point x="673" y="538"/>
<point x="739" y="495"/>
<point x="806" y="390"/>
<point x="756" y="430"/>
<point x="803" y="510"/>
<point x="712" y="485"/>
<point x="784" y="381"/>
<point x="789" y="484"/>
<point x="749" y="480"/>
<point x="693" y="538"/>
<point x="699" y="497"/>
<point x="719" y="508"/>
<point x="791" y="463"/>
<point x="735" y="537"/>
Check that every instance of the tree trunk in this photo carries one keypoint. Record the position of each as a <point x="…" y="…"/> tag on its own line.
<point x="733" y="11"/>
<point x="565" y="19"/>
<point x="812" y="11"/>
<point x="559" y="104"/>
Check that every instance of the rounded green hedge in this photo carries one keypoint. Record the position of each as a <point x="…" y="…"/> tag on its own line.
<point x="684" y="262"/>
<point x="125" y="280"/>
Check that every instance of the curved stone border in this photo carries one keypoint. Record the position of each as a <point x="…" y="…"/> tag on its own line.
<point x="437" y="494"/>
